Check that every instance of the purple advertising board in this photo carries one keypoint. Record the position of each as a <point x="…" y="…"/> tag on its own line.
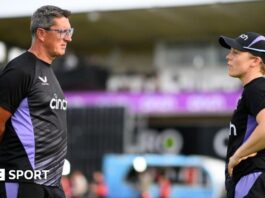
<point x="158" y="103"/>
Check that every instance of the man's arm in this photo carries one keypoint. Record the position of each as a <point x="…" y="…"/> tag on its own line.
<point x="4" y="116"/>
<point x="255" y="143"/>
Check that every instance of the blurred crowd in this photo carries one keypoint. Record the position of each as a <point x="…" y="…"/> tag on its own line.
<point x="165" y="178"/>
<point x="77" y="186"/>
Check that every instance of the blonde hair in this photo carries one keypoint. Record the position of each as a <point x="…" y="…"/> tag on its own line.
<point x="262" y="67"/>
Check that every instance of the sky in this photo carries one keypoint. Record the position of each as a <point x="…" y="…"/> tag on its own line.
<point x="19" y="8"/>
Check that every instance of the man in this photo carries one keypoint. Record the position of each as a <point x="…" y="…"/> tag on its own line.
<point x="33" y="112"/>
<point x="245" y="170"/>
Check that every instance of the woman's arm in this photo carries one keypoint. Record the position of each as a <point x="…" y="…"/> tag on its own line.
<point x="254" y="143"/>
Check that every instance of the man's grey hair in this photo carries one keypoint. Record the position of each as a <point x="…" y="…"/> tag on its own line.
<point x="44" y="17"/>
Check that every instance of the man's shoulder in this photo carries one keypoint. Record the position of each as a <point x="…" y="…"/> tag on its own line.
<point x="24" y="64"/>
<point x="24" y="59"/>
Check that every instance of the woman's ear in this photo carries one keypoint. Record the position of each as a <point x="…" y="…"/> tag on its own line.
<point x="258" y="60"/>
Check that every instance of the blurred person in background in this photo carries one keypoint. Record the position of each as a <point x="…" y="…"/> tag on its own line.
<point x="164" y="187"/>
<point x="79" y="185"/>
<point x="33" y="111"/>
<point x="99" y="188"/>
<point x="145" y="180"/>
<point x="67" y="186"/>
<point x="245" y="162"/>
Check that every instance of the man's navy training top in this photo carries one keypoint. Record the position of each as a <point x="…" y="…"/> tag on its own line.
<point x="35" y="137"/>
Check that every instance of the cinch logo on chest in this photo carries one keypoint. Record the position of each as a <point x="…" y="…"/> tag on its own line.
<point x="57" y="103"/>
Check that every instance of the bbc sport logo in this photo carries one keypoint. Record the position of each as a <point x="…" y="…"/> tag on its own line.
<point x="25" y="174"/>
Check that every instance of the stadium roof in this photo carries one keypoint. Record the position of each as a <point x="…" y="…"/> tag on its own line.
<point x="101" y="24"/>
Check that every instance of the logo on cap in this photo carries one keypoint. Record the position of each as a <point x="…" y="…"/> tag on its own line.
<point x="244" y="36"/>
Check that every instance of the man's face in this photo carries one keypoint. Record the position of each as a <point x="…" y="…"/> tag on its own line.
<point x="57" y="37"/>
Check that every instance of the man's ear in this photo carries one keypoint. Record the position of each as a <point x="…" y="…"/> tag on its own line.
<point x="40" y="34"/>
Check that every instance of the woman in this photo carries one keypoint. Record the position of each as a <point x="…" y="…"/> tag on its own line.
<point x="245" y="162"/>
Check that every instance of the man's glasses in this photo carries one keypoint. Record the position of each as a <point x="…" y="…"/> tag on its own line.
<point x="63" y="32"/>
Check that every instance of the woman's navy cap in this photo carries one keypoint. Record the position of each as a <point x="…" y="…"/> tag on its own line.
<point x="249" y="42"/>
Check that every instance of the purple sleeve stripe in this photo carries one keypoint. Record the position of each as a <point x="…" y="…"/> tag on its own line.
<point x="251" y="125"/>
<point x="11" y="189"/>
<point x="22" y="124"/>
